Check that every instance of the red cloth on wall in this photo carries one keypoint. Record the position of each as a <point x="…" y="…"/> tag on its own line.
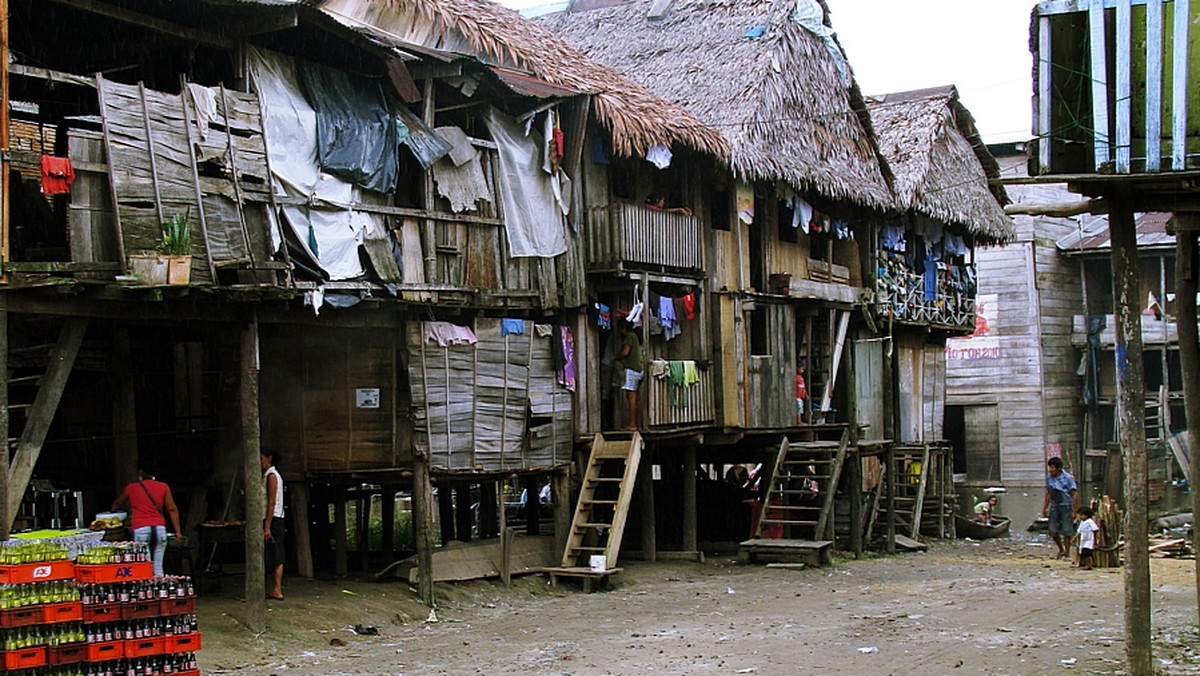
<point x="57" y="175"/>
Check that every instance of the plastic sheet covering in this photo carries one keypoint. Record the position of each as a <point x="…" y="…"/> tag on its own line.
<point x="532" y="218"/>
<point x="356" y="135"/>
<point x="811" y="15"/>
<point x="425" y="144"/>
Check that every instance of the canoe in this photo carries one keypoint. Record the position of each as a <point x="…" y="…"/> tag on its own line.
<point x="969" y="528"/>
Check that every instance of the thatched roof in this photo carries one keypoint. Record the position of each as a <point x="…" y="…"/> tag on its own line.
<point x="779" y="99"/>
<point x="940" y="165"/>
<point x="499" y="36"/>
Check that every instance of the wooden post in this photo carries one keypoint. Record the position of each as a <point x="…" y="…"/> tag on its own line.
<point x="422" y="512"/>
<point x="387" y="506"/>
<point x="1187" y="258"/>
<point x="446" y="511"/>
<point x="560" y="493"/>
<point x="690" y="536"/>
<point x="364" y="528"/>
<point x="854" y="482"/>
<point x="645" y="501"/>
<point x="462" y="511"/>
<point x="487" y="510"/>
<point x="256" y="495"/>
<point x="5" y="515"/>
<point x="124" y="414"/>
<point x="891" y="476"/>
<point x="532" y="506"/>
<point x="300" y="528"/>
<point x="1131" y="414"/>
<point x="339" y="530"/>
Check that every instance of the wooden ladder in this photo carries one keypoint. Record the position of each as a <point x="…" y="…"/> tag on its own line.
<point x="802" y="486"/>
<point x="603" y="501"/>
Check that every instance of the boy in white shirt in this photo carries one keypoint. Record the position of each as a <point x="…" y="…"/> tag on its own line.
<point x="1085" y="533"/>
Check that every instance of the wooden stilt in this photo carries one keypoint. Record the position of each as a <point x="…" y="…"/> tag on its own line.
<point x="854" y="482"/>
<point x="364" y="529"/>
<point x="690" y="536"/>
<point x="5" y="519"/>
<point x="1187" y="279"/>
<point x="300" y="528"/>
<point x="487" y="510"/>
<point x="256" y="496"/>
<point x="462" y="511"/>
<point x="339" y="530"/>
<point x="446" y="511"/>
<point x="644" y="489"/>
<point x="891" y="476"/>
<point x="124" y="415"/>
<point x="560" y="495"/>
<point x="422" y="498"/>
<point x="387" y="506"/>
<point x="1131" y="414"/>
<point x="532" y="506"/>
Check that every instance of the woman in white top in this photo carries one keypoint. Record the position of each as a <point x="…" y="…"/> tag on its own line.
<point x="273" y="529"/>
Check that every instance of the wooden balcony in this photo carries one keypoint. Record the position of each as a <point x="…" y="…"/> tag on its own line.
<point x="631" y="235"/>
<point x="694" y="403"/>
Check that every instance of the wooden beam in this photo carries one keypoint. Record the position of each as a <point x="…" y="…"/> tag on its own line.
<point x="300" y="528"/>
<point x="339" y="531"/>
<point x="1058" y="209"/>
<point x="153" y="23"/>
<point x="387" y="505"/>
<point x="56" y="76"/>
<point x="1131" y="415"/>
<point x="690" y="534"/>
<point x="644" y="489"/>
<point x="256" y="495"/>
<point x="1045" y="90"/>
<point x="124" y="412"/>
<point x="244" y="27"/>
<point x="1179" y="84"/>
<point x="5" y="522"/>
<point x="45" y="404"/>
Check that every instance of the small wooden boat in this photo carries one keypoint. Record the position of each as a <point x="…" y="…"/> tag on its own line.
<point x="967" y="527"/>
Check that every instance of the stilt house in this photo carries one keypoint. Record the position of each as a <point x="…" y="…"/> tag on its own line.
<point x="377" y="203"/>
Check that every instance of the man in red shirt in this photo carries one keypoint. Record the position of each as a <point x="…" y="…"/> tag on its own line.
<point x="147" y="499"/>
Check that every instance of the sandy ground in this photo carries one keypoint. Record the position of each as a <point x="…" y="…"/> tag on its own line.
<point x="993" y="607"/>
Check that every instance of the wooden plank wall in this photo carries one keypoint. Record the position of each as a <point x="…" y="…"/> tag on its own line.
<point x="90" y="217"/>
<point x="475" y="407"/>
<point x="869" y="379"/>
<point x="310" y="377"/>
<point x="772" y="384"/>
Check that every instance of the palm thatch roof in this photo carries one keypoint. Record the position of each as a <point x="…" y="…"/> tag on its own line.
<point x="788" y="112"/>
<point x="941" y="166"/>
<point x="495" y="35"/>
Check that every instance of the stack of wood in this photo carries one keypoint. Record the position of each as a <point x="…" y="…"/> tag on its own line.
<point x="1109" y="517"/>
<point x="1166" y="546"/>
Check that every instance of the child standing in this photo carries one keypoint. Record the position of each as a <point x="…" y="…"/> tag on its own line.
<point x="1086" y="535"/>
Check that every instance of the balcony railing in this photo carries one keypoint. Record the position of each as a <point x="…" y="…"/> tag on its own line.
<point x="623" y="233"/>
<point x="693" y="403"/>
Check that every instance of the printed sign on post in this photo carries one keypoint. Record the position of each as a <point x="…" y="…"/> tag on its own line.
<point x="367" y="397"/>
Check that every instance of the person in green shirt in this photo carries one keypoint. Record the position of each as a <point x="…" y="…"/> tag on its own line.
<point x="629" y="357"/>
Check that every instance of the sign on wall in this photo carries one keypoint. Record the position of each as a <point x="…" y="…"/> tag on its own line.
<point x="366" y="397"/>
<point x="982" y="343"/>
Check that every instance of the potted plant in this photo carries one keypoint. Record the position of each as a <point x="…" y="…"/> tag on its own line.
<point x="176" y="245"/>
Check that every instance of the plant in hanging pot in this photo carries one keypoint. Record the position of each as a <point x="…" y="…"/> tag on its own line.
<point x="176" y="245"/>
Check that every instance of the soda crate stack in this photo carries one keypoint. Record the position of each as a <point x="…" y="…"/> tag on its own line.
<point x="102" y="615"/>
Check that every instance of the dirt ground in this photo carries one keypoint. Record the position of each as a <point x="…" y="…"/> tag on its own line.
<point x="993" y="607"/>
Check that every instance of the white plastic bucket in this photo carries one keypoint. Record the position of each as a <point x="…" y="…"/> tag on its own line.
<point x="598" y="563"/>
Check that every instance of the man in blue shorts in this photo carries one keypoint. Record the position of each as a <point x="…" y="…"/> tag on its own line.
<point x="1062" y="499"/>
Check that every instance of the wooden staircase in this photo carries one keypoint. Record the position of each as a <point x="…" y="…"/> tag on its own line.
<point x="603" y="506"/>
<point x="797" y="516"/>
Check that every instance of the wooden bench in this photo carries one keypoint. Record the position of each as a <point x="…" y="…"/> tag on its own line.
<point x="583" y="572"/>
<point x="811" y="552"/>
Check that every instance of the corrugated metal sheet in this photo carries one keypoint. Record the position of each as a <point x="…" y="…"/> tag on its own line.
<point x="530" y="85"/>
<point x="1093" y="235"/>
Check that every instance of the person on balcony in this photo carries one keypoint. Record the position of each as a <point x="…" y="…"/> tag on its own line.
<point x="658" y="202"/>
<point x="629" y="357"/>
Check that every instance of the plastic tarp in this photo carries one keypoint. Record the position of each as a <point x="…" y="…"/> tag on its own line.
<point x="532" y="217"/>
<point x="810" y="15"/>
<point x="329" y="236"/>
<point x="356" y="135"/>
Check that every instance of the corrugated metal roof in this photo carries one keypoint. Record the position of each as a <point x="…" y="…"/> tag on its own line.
<point x="1093" y="235"/>
<point x="530" y="85"/>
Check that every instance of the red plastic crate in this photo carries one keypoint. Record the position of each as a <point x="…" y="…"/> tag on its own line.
<point x="180" y="606"/>
<point x="141" y="647"/>
<point x="24" y="659"/>
<point x="67" y="654"/>
<point x="182" y="643"/>
<point x="189" y="672"/>
<point x="101" y="612"/>
<point x="106" y="573"/>
<point x="103" y="652"/>
<point x="24" y="573"/>
<point x="139" y="610"/>
<point x="62" y="612"/>
<point x="21" y="617"/>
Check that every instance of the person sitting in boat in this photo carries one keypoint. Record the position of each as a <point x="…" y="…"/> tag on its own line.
<point x="983" y="510"/>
